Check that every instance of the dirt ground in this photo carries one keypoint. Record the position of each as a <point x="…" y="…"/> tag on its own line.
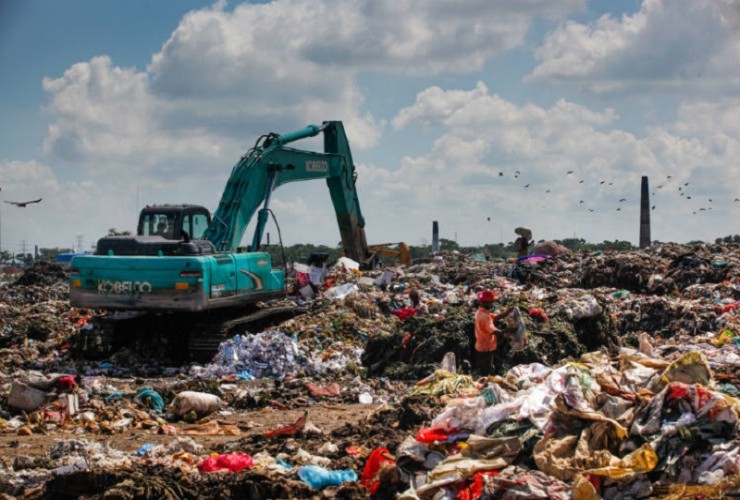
<point x="326" y="417"/>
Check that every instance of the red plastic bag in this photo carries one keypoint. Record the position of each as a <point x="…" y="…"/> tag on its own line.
<point x="378" y="459"/>
<point x="431" y="435"/>
<point x="538" y="313"/>
<point x="66" y="383"/>
<point x="302" y="279"/>
<point x="288" y="430"/>
<point x="232" y="462"/>
<point x="475" y="490"/>
<point x="405" y="313"/>
<point x="730" y="307"/>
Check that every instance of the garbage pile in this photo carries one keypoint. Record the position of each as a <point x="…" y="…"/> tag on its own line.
<point x="618" y="375"/>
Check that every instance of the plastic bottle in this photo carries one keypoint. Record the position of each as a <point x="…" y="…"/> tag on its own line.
<point x="318" y="477"/>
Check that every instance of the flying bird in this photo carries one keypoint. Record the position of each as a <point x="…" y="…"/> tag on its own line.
<point x="590" y="209"/>
<point x="668" y="176"/>
<point x="619" y="209"/>
<point x="580" y="202"/>
<point x="580" y="182"/>
<point x="516" y="174"/>
<point x="685" y="183"/>
<point x="737" y="199"/>
<point x="622" y="200"/>
<point x="710" y="200"/>
<point x="653" y="207"/>
<point x="568" y="172"/>
<point x="660" y="187"/>
<point x="22" y="204"/>
<point x="500" y="174"/>
<point x="526" y="185"/>
<point x="547" y="191"/>
<point x="602" y="182"/>
<point x="688" y="197"/>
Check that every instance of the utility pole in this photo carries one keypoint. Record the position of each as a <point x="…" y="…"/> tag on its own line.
<point x="78" y="248"/>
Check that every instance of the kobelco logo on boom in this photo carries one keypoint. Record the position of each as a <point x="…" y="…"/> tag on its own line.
<point x="123" y="287"/>
<point x="317" y="166"/>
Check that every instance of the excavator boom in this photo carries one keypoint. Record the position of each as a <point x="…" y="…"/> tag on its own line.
<point x="271" y="164"/>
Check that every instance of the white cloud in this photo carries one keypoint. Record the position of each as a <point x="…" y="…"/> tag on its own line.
<point x="224" y="77"/>
<point x="483" y="134"/>
<point x="666" y="43"/>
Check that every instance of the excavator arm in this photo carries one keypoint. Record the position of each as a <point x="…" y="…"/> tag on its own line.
<point x="271" y="164"/>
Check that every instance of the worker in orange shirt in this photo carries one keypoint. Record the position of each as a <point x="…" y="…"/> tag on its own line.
<point x="486" y="340"/>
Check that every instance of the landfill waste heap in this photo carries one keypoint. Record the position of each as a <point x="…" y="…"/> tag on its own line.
<point x="617" y="377"/>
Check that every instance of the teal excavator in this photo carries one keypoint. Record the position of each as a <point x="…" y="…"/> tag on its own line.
<point x="186" y="266"/>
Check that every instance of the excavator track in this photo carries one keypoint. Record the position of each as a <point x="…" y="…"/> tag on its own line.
<point x="182" y="337"/>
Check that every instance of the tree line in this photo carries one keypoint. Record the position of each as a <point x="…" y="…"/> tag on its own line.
<point x="300" y="252"/>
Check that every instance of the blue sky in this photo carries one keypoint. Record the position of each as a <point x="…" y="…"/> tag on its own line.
<point x="456" y="114"/>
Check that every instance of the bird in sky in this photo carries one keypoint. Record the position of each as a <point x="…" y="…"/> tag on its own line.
<point x="669" y="176"/>
<point x="580" y="182"/>
<point x="622" y="200"/>
<point x="602" y="182"/>
<point x="547" y="190"/>
<point x="688" y="197"/>
<point x="590" y="209"/>
<point x="568" y="172"/>
<point x="526" y="185"/>
<point x="710" y="200"/>
<point x="737" y="199"/>
<point x="580" y="202"/>
<point x="619" y="209"/>
<point x="22" y="204"/>
<point x="516" y="174"/>
<point x="685" y="183"/>
<point x="500" y="174"/>
<point x="653" y="207"/>
<point x="489" y="219"/>
<point x="660" y="187"/>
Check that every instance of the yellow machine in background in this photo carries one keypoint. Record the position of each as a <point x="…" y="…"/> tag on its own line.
<point x="399" y="250"/>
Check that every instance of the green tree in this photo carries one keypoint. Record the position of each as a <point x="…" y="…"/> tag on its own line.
<point x="446" y="245"/>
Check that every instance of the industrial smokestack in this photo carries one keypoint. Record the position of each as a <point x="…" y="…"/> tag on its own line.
<point x="435" y="237"/>
<point x="645" y="214"/>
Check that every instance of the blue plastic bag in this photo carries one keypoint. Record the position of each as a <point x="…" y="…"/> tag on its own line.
<point x="318" y="477"/>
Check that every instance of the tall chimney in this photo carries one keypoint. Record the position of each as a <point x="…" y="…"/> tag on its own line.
<point x="435" y="237"/>
<point x="645" y="214"/>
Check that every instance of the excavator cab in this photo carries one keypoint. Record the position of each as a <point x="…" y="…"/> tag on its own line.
<point x="163" y="230"/>
<point x="174" y="222"/>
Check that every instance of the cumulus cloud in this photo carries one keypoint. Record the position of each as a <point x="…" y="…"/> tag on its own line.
<point x="224" y="77"/>
<point x="489" y="149"/>
<point x="665" y="43"/>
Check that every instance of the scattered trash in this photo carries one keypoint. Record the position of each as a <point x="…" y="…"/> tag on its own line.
<point x="618" y="376"/>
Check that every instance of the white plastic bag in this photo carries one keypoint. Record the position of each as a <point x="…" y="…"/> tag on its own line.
<point x="340" y="292"/>
<point x="200" y="402"/>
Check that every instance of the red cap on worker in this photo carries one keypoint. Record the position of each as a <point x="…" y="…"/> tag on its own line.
<point x="486" y="296"/>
